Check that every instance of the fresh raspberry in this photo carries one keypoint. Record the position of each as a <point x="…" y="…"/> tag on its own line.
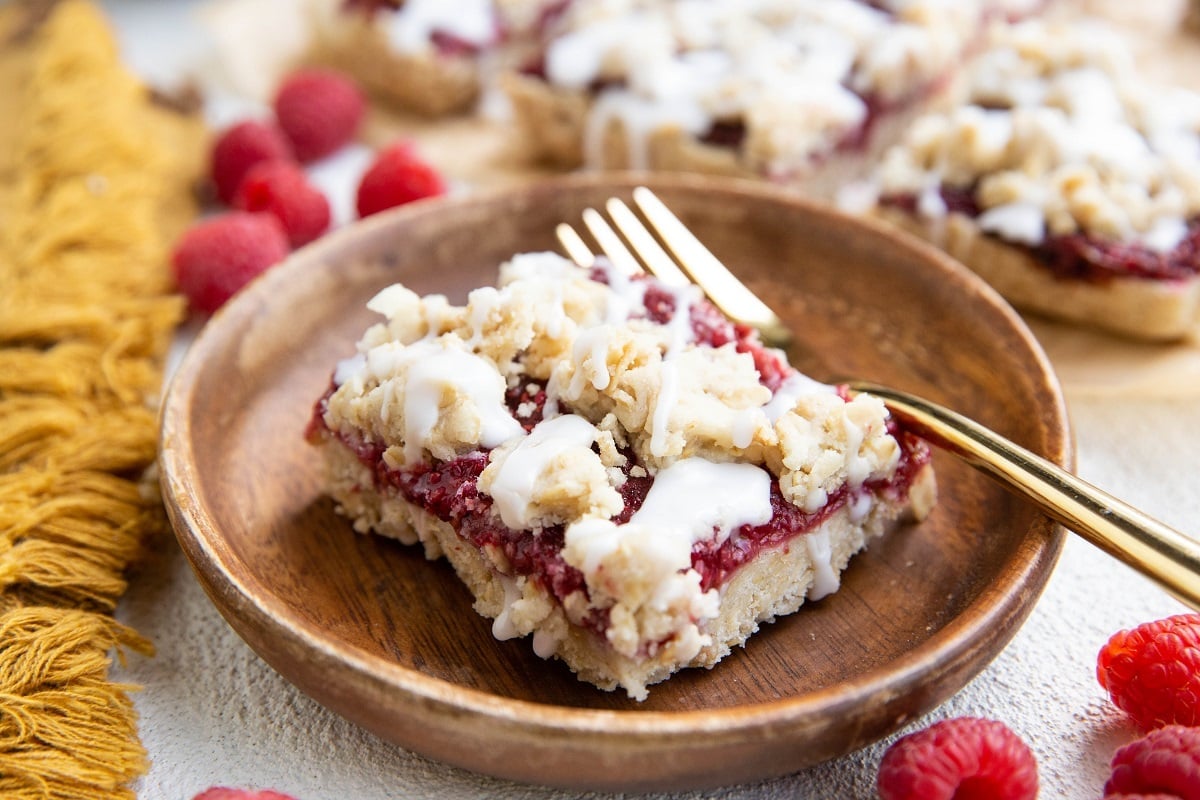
<point x="283" y="190"/>
<point x="959" y="758"/>
<point x="1155" y="796"/>
<point x="1153" y="671"/>
<point x="397" y="176"/>
<point x="225" y="793"/>
<point x="1164" y="761"/>
<point x="241" y="147"/>
<point x="319" y="111"/>
<point x="217" y="257"/>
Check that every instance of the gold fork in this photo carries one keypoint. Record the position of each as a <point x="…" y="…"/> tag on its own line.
<point x="1158" y="551"/>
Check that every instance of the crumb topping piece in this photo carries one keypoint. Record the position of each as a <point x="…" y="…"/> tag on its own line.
<point x="1058" y="135"/>
<point x="525" y="476"/>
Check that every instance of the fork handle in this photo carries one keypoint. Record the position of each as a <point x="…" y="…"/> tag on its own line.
<point x="1169" y="557"/>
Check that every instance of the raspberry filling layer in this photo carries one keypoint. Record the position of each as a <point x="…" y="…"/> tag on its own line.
<point x="449" y="489"/>
<point x="1082" y="256"/>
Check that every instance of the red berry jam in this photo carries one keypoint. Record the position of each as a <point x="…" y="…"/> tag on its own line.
<point x="1081" y="256"/>
<point x="449" y="489"/>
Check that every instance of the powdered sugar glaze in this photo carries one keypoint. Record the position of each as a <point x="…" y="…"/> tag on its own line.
<point x="621" y="380"/>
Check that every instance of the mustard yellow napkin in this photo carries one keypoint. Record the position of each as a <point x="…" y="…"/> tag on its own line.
<point x="95" y="181"/>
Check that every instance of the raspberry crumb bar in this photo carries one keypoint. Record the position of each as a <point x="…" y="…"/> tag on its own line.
<point x="432" y="57"/>
<point x="797" y="90"/>
<point x="610" y="465"/>
<point x="1064" y="179"/>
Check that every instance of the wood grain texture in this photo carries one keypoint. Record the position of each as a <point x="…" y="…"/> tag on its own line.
<point x="373" y="631"/>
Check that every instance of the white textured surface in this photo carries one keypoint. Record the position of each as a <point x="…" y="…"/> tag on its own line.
<point x="214" y="713"/>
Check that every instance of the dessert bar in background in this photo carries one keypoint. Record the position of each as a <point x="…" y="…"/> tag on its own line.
<point x="1063" y="179"/>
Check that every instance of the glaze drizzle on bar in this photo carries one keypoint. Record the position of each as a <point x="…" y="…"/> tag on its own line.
<point x="614" y="451"/>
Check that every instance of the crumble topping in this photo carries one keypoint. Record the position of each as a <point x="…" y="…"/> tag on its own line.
<point x="411" y="27"/>
<point x="646" y="384"/>
<point x="627" y="388"/>
<point x="1056" y="136"/>
<point x="799" y="75"/>
<point x="426" y="27"/>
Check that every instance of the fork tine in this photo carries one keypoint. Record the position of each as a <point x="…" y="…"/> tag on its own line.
<point x="657" y="262"/>
<point x="722" y="287"/>
<point x="576" y="249"/>
<point x="610" y="243"/>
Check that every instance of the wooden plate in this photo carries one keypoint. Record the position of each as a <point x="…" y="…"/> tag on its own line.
<point x="373" y="631"/>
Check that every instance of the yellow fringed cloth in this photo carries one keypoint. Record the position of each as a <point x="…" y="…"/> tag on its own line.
<point x="95" y="183"/>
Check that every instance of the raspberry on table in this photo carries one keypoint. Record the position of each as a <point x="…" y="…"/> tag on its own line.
<point x="216" y="257"/>
<point x="225" y="793"/>
<point x="319" y="111"/>
<point x="283" y="190"/>
<point x="1153" y="671"/>
<point x="397" y="176"/>
<point x="958" y="758"/>
<point x="1164" y="761"/>
<point x="241" y="147"/>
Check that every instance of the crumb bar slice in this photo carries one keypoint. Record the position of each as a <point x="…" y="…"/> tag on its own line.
<point x="1064" y="179"/>
<point x="610" y="465"/>
<point x="799" y="90"/>
<point x="432" y="57"/>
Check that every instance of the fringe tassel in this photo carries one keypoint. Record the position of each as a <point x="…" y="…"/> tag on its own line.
<point x="59" y="712"/>
<point x="93" y="191"/>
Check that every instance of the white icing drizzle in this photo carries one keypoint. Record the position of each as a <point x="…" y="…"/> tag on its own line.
<point x="545" y="643"/>
<point x="734" y="494"/>
<point x="626" y="295"/>
<point x="745" y="423"/>
<point x="436" y="366"/>
<point x="795" y="386"/>
<point x="389" y="300"/>
<point x="930" y="203"/>
<point x="481" y="302"/>
<point x="512" y="487"/>
<point x="502" y="626"/>
<point x="590" y="354"/>
<point x="663" y="402"/>
<point x="574" y="60"/>
<point x="679" y="331"/>
<point x="437" y="312"/>
<point x="349" y="368"/>
<point x="858" y="468"/>
<point x="861" y="504"/>
<point x="660" y="535"/>
<point x="1017" y="222"/>
<point x="408" y="30"/>
<point x="825" y="579"/>
<point x="639" y="118"/>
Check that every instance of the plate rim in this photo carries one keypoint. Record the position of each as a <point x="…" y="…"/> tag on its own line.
<point x="211" y="558"/>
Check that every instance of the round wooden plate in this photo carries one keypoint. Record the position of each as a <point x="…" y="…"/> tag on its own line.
<point x="381" y="636"/>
